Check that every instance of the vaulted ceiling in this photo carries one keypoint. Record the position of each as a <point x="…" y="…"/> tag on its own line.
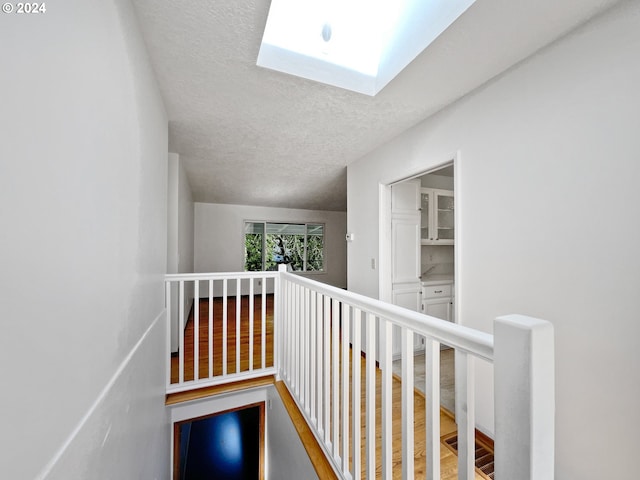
<point x="251" y="136"/>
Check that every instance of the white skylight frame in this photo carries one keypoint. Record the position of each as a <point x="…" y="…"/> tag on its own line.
<point x="371" y="41"/>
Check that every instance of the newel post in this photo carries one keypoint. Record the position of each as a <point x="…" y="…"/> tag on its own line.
<point x="524" y="395"/>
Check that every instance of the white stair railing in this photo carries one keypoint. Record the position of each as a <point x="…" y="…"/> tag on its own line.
<point x="326" y="323"/>
<point x="317" y="340"/>
<point x="205" y="300"/>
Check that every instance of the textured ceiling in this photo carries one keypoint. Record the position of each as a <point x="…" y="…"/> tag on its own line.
<point x="252" y="136"/>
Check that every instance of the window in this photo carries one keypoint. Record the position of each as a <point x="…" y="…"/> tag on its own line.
<point x="300" y="245"/>
<point x="358" y="45"/>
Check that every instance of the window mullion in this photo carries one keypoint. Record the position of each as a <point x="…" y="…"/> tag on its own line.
<point x="264" y="245"/>
<point x="304" y="260"/>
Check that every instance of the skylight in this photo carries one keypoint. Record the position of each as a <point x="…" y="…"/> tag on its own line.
<point x="359" y="45"/>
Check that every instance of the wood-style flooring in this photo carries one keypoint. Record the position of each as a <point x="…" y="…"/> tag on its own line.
<point x="217" y="347"/>
<point x="448" y="459"/>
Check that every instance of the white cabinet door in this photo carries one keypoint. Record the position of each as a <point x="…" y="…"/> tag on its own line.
<point x="452" y="310"/>
<point x="407" y="297"/>
<point x="426" y="207"/>
<point x="405" y="197"/>
<point x="437" y="217"/>
<point x="444" y="216"/>
<point x="405" y="233"/>
<point x="405" y="248"/>
<point x="440" y="308"/>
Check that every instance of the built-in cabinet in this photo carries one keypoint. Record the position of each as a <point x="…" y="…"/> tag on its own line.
<point x="405" y="250"/>
<point x="419" y="216"/>
<point x="437" y="217"/>
<point x="405" y="244"/>
<point x="438" y="299"/>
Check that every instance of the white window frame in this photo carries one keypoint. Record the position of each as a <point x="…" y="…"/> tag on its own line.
<point x="264" y="240"/>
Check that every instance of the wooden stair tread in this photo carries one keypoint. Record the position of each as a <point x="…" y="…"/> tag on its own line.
<point x="484" y="455"/>
<point x="204" y="392"/>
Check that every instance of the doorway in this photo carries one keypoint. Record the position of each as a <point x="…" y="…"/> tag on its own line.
<point x="419" y="259"/>
<point x="422" y="246"/>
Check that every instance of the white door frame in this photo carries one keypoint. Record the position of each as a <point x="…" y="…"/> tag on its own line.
<point x="384" y="243"/>
<point x="384" y="234"/>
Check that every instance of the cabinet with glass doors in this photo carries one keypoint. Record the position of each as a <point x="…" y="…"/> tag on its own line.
<point x="437" y="217"/>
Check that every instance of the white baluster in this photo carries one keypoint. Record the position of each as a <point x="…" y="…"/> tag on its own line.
<point x="304" y="343"/>
<point x="168" y="307"/>
<point x="355" y="384"/>
<point x="298" y="334"/>
<point x="432" y="405"/>
<point x="326" y="404"/>
<point x="290" y="335"/>
<point x="319" y="364"/>
<point x="238" y="309"/>
<point x="181" y="334"/>
<point x="407" y="404"/>
<point x="251" y="309"/>
<point x="386" y="365"/>
<point x="371" y="395"/>
<point x="283" y="308"/>
<point x="263" y="340"/>
<point x="335" y="376"/>
<point x="465" y="414"/>
<point x="210" y="329"/>
<point x="291" y="332"/>
<point x="312" y="357"/>
<point x="345" y="328"/>
<point x="196" y="330"/>
<point x="224" y="325"/>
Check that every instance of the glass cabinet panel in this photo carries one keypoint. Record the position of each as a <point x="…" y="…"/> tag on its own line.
<point x="424" y="215"/>
<point x="437" y="217"/>
<point x="445" y="216"/>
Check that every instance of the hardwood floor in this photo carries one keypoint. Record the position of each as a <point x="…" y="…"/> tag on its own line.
<point x="217" y="346"/>
<point x="448" y="459"/>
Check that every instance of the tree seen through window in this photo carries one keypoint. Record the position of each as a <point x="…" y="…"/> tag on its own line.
<point x="299" y="245"/>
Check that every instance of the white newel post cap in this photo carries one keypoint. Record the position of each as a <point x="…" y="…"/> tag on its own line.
<point x="524" y="389"/>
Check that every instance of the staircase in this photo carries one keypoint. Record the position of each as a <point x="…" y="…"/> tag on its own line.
<point x="308" y="339"/>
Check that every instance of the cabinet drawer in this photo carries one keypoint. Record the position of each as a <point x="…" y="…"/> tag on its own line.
<point x="436" y="291"/>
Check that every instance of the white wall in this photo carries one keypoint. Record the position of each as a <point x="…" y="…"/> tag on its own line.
<point x="547" y="195"/>
<point x="173" y="212"/>
<point x="180" y="218"/>
<point x="437" y="181"/>
<point x="219" y="237"/>
<point x="185" y="223"/>
<point x="179" y="236"/>
<point x="83" y="180"/>
<point x="287" y="457"/>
